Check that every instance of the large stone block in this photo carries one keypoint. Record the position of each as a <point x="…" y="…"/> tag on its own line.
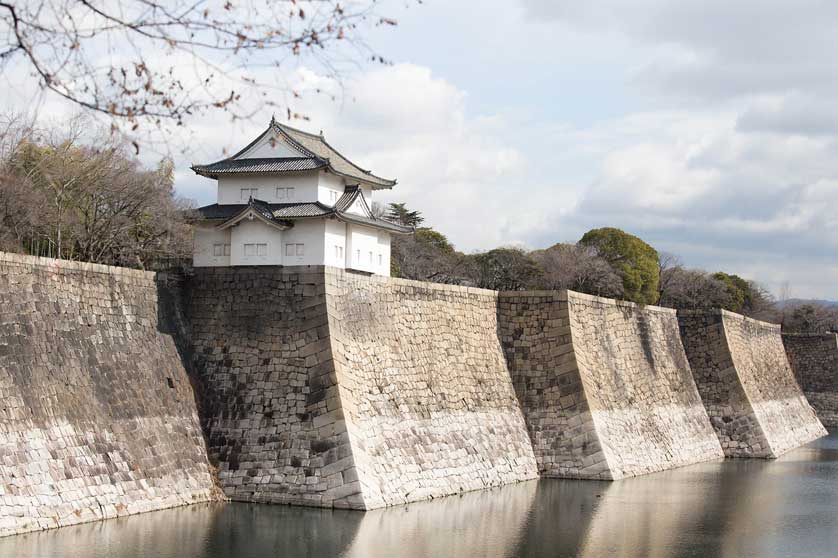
<point x="814" y="360"/>
<point x="605" y="386"/>
<point x="747" y="385"/>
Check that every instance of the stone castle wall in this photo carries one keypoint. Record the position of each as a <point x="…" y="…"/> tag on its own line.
<point x="426" y="393"/>
<point x="747" y="384"/>
<point x="97" y="415"/>
<point x="814" y="360"/>
<point x="605" y="385"/>
<point x="322" y="387"/>
<point x="271" y="404"/>
<point x="331" y="389"/>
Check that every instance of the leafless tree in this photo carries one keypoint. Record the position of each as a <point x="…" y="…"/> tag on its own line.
<point x="578" y="268"/>
<point x="150" y="61"/>
<point x="63" y="198"/>
<point x="691" y="289"/>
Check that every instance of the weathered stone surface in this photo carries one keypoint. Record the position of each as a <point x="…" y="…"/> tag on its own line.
<point x="747" y="385"/>
<point x="330" y="389"/>
<point x="271" y="401"/>
<point x="814" y="360"/>
<point x="425" y="390"/>
<point x="97" y="415"/>
<point x="605" y="386"/>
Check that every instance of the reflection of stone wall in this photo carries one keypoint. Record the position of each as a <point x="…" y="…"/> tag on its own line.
<point x="747" y="385"/>
<point x="605" y="386"/>
<point x="97" y="415"/>
<point x="485" y="523"/>
<point x="426" y="394"/>
<point x="814" y="360"/>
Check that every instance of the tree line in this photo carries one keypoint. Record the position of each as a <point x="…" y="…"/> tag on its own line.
<point x="61" y="197"/>
<point x="605" y="262"/>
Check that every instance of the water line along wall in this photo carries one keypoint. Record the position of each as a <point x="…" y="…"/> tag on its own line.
<point x="97" y="415"/>
<point x="814" y="360"/>
<point x="747" y="385"/>
<point x="605" y="386"/>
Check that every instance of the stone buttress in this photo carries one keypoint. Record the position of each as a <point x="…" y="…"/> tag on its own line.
<point x="326" y="388"/>
<point x="747" y="385"/>
<point x="605" y="386"/>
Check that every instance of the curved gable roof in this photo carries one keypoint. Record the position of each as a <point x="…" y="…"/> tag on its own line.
<point x="315" y="153"/>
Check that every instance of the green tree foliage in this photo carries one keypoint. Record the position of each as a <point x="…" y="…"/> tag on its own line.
<point x="634" y="261"/>
<point x="505" y="269"/>
<point x="738" y="291"/>
<point x="399" y="213"/>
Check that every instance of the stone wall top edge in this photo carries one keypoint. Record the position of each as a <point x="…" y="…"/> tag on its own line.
<point x="396" y="281"/>
<point x="573" y="295"/>
<point x="54" y="264"/>
<point x="701" y="312"/>
<point x="560" y="295"/>
<point x="728" y="315"/>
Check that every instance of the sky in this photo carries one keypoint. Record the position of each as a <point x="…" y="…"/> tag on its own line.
<point x="706" y="127"/>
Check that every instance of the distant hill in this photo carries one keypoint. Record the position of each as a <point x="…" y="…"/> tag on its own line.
<point x="800" y="301"/>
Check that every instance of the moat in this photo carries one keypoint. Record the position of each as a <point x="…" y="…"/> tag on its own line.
<point x="783" y="508"/>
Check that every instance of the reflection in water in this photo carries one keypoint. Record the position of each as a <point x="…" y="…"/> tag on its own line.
<point x="484" y="523"/>
<point x="735" y="508"/>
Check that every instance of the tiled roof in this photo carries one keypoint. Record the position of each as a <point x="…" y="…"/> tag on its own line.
<point x="285" y="164"/>
<point x="273" y="210"/>
<point x="282" y="213"/>
<point x="315" y="153"/>
<point x="318" y="145"/>
<point x="301" y="210"/>
<point x="374" y="222"/>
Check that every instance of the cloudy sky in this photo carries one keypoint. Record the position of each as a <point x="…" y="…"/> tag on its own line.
<point x="707" y="127"/>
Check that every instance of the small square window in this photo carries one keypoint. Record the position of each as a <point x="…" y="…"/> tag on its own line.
<point x="289" y="249"/>
<point x="301" y="249"/>
<point x="280" y="193"/>
<point x="261" y="249"/>
<point x="217" y="249"/>
<point x="289" y="193"/>
<point x="226" y="249"/>
<point x="249" y="249"/>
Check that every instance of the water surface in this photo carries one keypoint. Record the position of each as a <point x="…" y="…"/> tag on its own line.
<point x="735" y="508"/>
